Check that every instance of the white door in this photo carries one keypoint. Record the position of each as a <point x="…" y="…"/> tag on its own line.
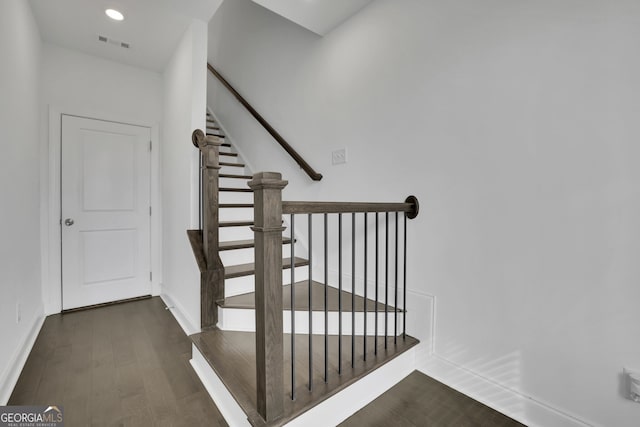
<point x="105" y="184"/>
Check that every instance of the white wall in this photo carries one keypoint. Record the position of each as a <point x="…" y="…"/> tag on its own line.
<point x="516" y="125"/>
<point x="184" y="111"/>
<point x="80" y="84"/>
<point x="20" y="49"/>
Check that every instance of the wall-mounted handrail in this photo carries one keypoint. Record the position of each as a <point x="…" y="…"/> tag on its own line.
<point x="283" y="143"/>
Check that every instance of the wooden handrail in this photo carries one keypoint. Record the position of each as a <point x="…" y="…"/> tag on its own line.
<point x="283" y="143"/>
<point x="410" y="206"/>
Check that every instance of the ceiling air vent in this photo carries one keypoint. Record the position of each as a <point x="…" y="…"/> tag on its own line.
<point x="114" y="42"/>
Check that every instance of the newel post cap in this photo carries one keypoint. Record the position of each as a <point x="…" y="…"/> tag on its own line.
<point x="267" y="180"/>
<point x="197" y="136"/>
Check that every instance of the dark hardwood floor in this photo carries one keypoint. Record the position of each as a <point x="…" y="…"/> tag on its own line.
<point x="419" y="400"/>
<point x="125" y="365"/>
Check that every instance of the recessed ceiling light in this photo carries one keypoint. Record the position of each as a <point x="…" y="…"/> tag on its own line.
<point x="114" y="14"/>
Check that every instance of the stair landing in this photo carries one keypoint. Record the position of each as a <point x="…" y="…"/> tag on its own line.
<point x="301" y="295"/>
<point x="232" y="356"/>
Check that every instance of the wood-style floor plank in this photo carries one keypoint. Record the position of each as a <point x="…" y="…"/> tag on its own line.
<point x="419" y="400"/>
<point x="126" y="364"/>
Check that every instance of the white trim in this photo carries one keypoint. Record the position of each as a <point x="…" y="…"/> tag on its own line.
<point x="523" y="408"/>
<point x="229" y="408"/>
<point x="342" y="405"/>
<point x="14" y="368"/>
<point x="50" y="210"/>
<point x="187" y="324"/>
<point x="331" y="411"/>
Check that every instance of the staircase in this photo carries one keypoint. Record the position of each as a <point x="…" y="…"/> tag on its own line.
<point x="337" y="348"/>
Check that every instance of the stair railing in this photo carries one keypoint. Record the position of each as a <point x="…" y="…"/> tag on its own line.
<point x="205" y="242"/>
<point x="268" y="229"/>
<point x="283" y="143"/>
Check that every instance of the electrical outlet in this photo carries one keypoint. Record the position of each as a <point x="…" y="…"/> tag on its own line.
<point x="339" y="157"/>
<point x="18" y="313"/>
<point x="633" y="383"/>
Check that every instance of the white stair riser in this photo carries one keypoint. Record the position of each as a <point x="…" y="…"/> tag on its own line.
<point x="231" y="170"/>
<point x="242" y="256"/>
<point x="236" y="319"/>
<point x="235" y="214"/>
<point x="235" y="233"/>
<point x="235" y="197"/>
<point x="331" y="411"/>
<point x="233" y="182"/>
<point x="245" y="284"/>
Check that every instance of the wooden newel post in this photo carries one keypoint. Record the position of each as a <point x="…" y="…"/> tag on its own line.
<point x="212" y="279"/>
<point x="267" y="193"/>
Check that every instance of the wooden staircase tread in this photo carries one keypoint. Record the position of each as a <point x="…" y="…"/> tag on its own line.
<point x="229" y="154"/>
<point x="235" y="223"/>
<point x="247" y="301"/>
<point x="229" y="175"/>
<point x="216" y="135"/>
<point x="244" y="244"/>
<point x="248" y="269"/>
<point x="232" y="356"/>
<point x="236" y="190"/>
<point x="235" y="165"/>
<point x="235" y="205"/>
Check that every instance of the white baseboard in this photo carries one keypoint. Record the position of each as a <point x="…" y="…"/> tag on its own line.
<point x="520" y="407"/>
<point x="229" y="408"/>
<point x="184" y="320"/>
<point x="16" y="364"/>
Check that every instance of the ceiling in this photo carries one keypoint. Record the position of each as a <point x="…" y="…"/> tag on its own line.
<point x="152" y="28"/>
<point x="319" y="16"/>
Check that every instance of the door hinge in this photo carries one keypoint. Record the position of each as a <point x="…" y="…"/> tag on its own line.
<point x="150" y="145"/>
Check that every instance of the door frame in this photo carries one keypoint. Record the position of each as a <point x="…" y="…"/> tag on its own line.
<point x="50" y="214"/>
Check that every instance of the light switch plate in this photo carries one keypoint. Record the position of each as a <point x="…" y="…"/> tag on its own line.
<point x="339" y="157"/>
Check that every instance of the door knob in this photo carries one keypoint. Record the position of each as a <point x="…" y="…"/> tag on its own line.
<point x="68" y="222"/>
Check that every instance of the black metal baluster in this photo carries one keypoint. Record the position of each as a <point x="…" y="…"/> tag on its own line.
<point x="310" y="304"/>
<point x="375" y="337"/>
<point x="339" y="293"/>
<point x="404" y="278"/>
<point x="293" y="313"/>
<point x="395" y="305"/>
<point x="353" y="289"/>
<point x="326" y="288"/>
<point x="386" y="278"/>
<point x="366" y="234"/>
